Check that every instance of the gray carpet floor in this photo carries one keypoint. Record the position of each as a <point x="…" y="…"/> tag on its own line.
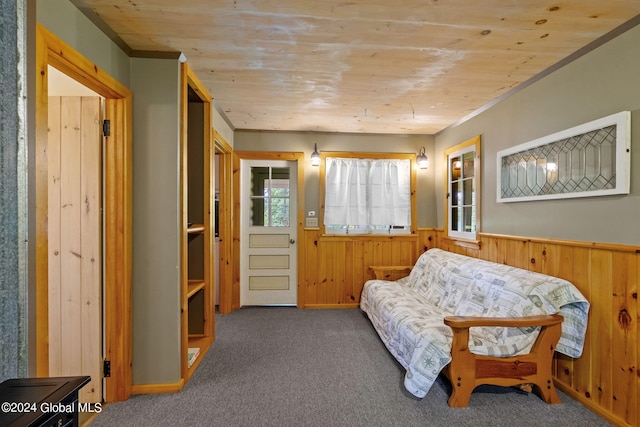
<point x="290" y="367"/>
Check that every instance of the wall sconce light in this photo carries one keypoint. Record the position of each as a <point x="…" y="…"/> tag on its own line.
<point x="422" y="159"/>
<point x="315" y="156"/>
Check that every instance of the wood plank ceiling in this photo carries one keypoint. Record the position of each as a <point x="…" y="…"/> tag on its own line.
<point x="381" y="66"/>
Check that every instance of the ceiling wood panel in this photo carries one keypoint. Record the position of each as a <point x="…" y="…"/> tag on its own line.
<point x="375" y="67"/>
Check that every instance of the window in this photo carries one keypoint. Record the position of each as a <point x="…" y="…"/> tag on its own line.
<point x="368" y="194"/>
<point x="270" y="197"/>
<point x="462" y="212"/>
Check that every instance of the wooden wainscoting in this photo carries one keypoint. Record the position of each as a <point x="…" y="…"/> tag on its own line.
<point x="604" y="378"/>
<point x="336" y="267"/>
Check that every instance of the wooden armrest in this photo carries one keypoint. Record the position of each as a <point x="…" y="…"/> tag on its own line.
<point x="461" y="322"/>
<point x="379" y="270"/>
<point x="468" y="370"/>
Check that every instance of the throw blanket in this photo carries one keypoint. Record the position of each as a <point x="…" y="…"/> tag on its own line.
<point x="408" y="314"/>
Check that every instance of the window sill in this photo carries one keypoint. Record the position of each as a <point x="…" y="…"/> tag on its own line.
<point x="367" y="236"/>
<point x="465" y="243"/>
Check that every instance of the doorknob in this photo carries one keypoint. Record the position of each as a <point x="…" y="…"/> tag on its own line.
<point x="292" y="241"/>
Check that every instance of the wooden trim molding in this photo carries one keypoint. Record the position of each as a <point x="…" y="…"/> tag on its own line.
<point x="42" y="206"/>
<point x="471" y="244"/>
<point x="158" y="388"/>
<point x="577" y="243"/>
<point x="331" y="306"/>
<point x="477" y="142"/>
<point x="224" y="256"/>
<point x="117" y="210"/>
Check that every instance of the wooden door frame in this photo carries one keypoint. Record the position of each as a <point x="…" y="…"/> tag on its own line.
<point x="224" y="256"/>
<point x="117" y="317"/>
<point x="234" y="284"/>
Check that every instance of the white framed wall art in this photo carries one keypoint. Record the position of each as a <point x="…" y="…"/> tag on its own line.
<point x="592" y="159"/>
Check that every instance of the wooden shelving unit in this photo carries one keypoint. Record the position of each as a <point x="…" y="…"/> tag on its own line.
<point x="198" y="317"/>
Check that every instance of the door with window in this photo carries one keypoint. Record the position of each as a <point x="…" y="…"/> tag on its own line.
<point x="268" y="259"/>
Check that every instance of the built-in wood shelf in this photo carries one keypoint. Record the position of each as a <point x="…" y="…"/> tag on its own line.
<point x="197" y="328"/>
<point x="196" y="229"/>
<point x="202" y="342"/>
<point x="194" y="286"/>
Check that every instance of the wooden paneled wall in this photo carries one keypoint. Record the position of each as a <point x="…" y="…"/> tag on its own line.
<point x="604" y="378"/>
<point x="336" y="267"/>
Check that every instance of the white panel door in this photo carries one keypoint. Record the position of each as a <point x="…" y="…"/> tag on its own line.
<point x="268" y="258"/>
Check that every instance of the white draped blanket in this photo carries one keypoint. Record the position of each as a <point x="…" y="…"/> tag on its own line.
<point x="408" y="314"/>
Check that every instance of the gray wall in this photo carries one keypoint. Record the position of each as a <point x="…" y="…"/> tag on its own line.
<point x="221" y="126"/>
<point x="602" y="82"/>
<point x="64" y="20"/>
<point x="304" y="142"/>
<point x="156" y="220"/>
<point x="156" y="204"/>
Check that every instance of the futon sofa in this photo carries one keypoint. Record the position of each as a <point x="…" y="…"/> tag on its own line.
<point x="486" y="323"/>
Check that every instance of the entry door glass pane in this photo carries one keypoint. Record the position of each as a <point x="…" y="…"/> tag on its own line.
<point x="270" y="197"/>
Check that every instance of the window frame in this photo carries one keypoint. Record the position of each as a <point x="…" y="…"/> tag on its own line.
<point x="367" y="155"/>
<point x="462" y="238"/>
<point x="268" y="199"/>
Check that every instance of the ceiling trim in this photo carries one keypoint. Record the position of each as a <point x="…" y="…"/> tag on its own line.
<point x="577" y="54"/>
<point x="155" y="54"/>
<point x="324" y="132"/>
<point x="115" y="38"/>
<point x="98" y="22"/>
<point x="223" y="115"/>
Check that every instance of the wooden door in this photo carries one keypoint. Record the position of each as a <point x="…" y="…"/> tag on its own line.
<point x="75" y="242"/>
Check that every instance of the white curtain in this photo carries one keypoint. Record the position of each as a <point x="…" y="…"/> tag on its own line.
<point x="390" y="192"/>
<point x="367" y="192"/>
<point x="346" y="191"/>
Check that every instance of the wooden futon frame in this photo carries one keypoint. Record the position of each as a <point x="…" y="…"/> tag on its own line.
<point x="533" y="370"/>
<point x="466" y="371"/>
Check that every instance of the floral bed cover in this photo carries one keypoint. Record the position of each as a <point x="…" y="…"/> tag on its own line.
<point x="408" y="314"/>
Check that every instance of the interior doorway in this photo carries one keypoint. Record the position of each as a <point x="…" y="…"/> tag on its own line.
<point x="222" y="219"/>
<point x="114" y="249"/>
<point x="75" y="232"/>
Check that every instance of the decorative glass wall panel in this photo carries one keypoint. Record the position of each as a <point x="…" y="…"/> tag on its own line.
<point x="592" y="159"/>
